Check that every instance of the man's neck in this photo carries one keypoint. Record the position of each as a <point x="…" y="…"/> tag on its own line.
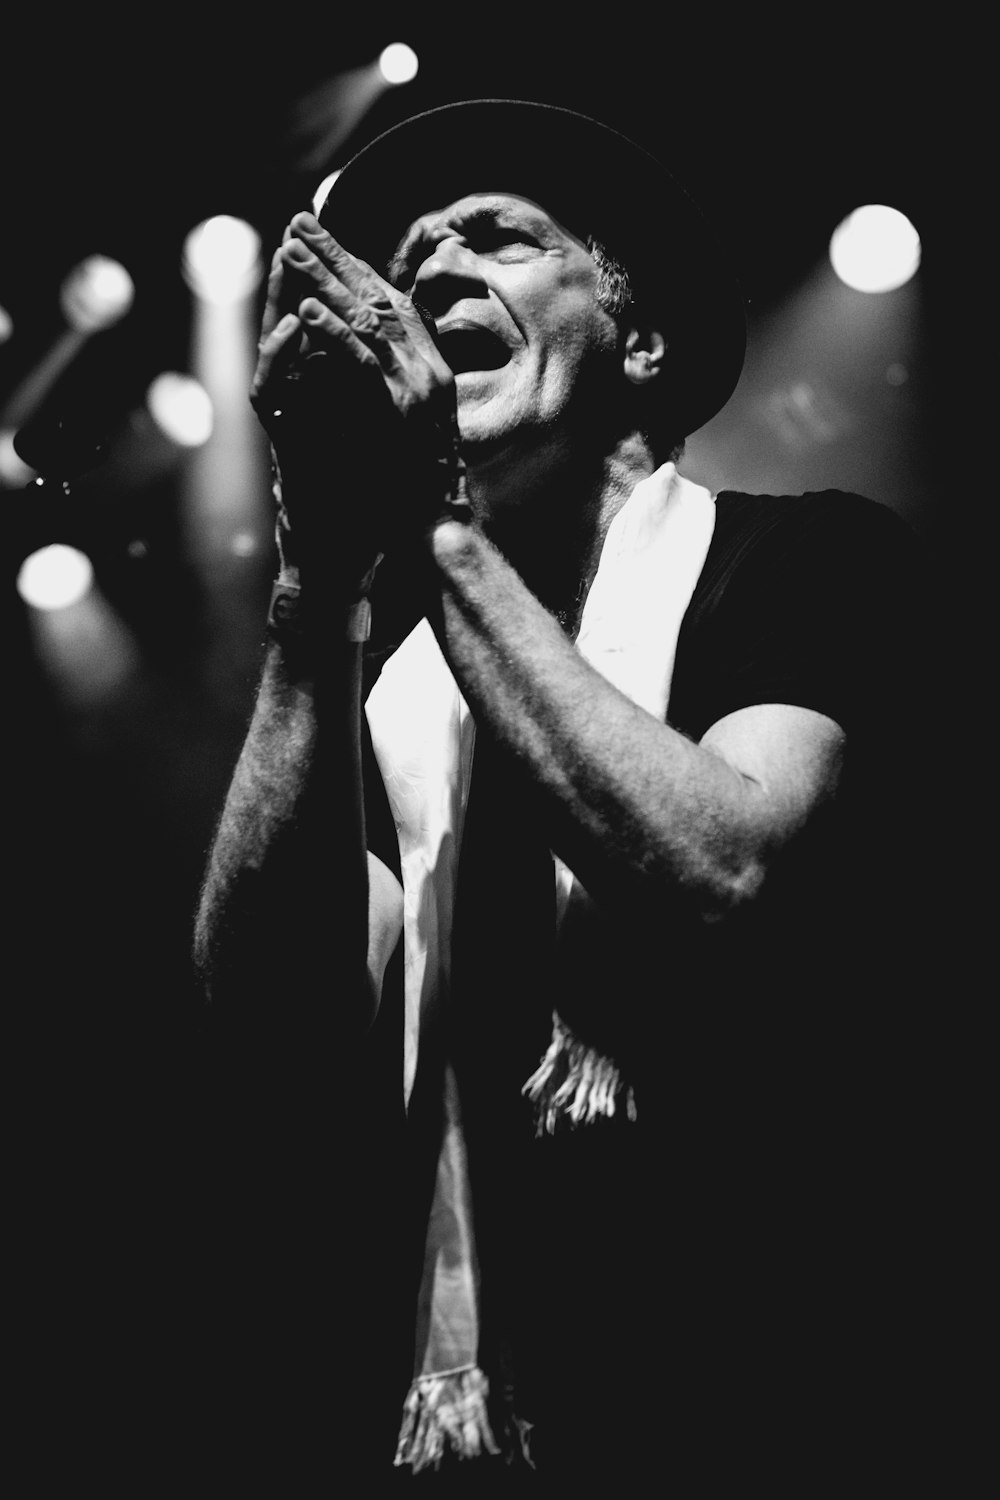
<point x="549" y="515"/>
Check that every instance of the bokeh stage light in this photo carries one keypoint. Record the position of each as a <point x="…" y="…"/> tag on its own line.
<point x="875" y="249"/>
<point x="225" y="503"/>
<point x="55" y="577"/>
<point x="85" y="648"/>
<point x="398" y="63"/>
<point x="221" y="261"/>
<point x="181" y="408"/>
<point x="96" y="294"/>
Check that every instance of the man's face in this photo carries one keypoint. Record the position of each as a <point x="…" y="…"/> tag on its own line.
<point x="513" y="296"/>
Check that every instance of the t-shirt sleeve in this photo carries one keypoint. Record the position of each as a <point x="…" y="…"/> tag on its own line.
<point x="816" y="600"/>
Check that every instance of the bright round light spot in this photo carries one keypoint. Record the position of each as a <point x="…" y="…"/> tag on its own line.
<point x="96" y="293"/>
<point x="181" y="407"/>
<point x="875" y="249"/>
<point x="221" y="260"/>
<point x="243" y="544"/>
<point x="54" y="577"/>
<point x="6" y="325"/>
<point x="398" y="63"/>
<point x="323" y="191"/>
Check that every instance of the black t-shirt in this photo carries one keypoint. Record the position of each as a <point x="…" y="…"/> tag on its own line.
<point x="804" y="599"/>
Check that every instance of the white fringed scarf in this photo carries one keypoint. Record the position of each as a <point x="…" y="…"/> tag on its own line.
<point x="423" y="736"/>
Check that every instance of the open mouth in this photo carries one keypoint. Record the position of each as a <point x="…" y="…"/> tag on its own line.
<point x="466" y="347"/>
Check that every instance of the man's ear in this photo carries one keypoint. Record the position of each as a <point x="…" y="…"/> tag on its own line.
<point x="645" y="353"/>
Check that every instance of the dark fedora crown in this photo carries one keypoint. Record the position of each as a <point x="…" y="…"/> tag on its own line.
<point x="592" y="179"/>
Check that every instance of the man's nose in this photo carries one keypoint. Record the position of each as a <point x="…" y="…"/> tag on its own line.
<point x="448" y="274"/>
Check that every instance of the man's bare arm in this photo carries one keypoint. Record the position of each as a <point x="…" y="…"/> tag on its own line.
<point x="642" y="814"/>
<point x="294" y="914"/>
<point x="289" y="916"/>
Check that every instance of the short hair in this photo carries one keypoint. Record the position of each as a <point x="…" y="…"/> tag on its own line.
<point x="614" y="286"/>
<point x="615" y="295"/>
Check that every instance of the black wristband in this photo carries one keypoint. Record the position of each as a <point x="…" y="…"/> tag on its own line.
<point x="288" y="620"/>
<point x="286" y="613"/>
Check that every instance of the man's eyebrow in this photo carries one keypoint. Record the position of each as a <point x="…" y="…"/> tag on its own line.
<point x="490" y="215"/>
<point x="403" y="252"/>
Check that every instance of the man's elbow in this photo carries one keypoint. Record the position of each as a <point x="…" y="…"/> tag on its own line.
<point x="732" y="890"/>
<point x="760" y="870"/>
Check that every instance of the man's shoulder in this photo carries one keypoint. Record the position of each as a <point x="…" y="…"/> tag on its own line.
<point x="741" y="510"/>
<point x="840" y="527"/>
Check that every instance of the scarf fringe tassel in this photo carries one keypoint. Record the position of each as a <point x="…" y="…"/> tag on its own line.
<point x="574" y="1085"/>
<point x="445" y="1413"/>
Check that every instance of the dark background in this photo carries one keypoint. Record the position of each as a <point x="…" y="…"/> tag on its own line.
<point x="119" y="135"/>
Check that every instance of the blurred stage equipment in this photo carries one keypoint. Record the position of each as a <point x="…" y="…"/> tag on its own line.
<point x="94" y="296"/>
<point x="85" y="648"/>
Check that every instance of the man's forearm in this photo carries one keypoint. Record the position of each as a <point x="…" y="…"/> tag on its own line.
<point x="641" y="813"/>
<point x="283" y="917"/>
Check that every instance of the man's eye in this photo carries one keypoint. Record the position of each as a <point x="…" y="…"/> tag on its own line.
<point x="481" y="240"/>
<point x="502" y="239"/>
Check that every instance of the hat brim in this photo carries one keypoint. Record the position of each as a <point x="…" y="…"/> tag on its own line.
<point x="593" y="180"/>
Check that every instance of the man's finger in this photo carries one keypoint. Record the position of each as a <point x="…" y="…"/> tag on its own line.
<point x="272" y="305"/>
<point x="277" y="353"/>
<point x="363" y="309"/>
<point x="284" y="292"/>
<point x="312" y="275"/>
<point x="355" y="274"/>
<point x="327" y="330"/>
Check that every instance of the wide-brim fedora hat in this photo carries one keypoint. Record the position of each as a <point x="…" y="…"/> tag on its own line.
<point x="592" y="179"/>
